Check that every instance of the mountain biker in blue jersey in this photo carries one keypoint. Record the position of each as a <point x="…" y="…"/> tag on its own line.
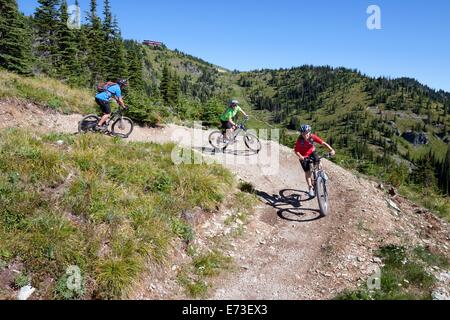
<point x="111" y="91"/>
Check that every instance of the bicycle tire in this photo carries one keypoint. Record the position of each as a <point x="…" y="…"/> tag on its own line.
<point x="214" y="138"/>
<point x="88" y="123"/>
<point x="322" y="195"/>
<point x="249" y="138"/>
<point x="122" y="135"/>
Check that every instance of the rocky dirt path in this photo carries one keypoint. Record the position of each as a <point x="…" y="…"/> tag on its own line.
<point x="288" y="250"/>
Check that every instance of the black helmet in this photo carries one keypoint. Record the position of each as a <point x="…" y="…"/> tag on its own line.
<point x="122" y="82"/>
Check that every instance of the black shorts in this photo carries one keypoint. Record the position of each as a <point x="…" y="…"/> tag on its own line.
<point x="306" y="165"/>
<point x="104" y="105"/>
<point x="226" y="125"/>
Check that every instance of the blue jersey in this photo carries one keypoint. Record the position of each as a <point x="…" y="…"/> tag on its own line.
<point x="112" y="91"/>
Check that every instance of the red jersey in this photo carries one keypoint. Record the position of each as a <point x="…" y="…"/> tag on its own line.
<point x="306" y="147"/>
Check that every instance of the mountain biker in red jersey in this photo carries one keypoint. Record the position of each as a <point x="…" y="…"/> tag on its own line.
<point x="305" y="149"/>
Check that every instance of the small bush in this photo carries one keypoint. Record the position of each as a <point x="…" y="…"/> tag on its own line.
<point x="63" y="292"/>
<point x="21" y="280"/>
<point x="211" y="264"/>
<point x="247" y="187"/>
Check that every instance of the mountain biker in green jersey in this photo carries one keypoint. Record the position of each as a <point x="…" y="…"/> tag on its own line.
<point x="228" y="124"/>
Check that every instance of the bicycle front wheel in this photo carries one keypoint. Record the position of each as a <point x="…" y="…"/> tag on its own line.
<point x="322" y="195"/>
<point x="252" y="142"/>
<point x="88" y="123"/>
<point x="122" y="127"/>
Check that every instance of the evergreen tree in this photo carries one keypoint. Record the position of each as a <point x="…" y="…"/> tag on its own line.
<point x="107" y="21"/>
<point x="46" y="26"/>
<point x="96" y="46"/>
<point x="173" y="91"/>
<point x="68" y="66"/>
<point x="116" y="59"/>
<point x="444" y="174"/>
<point x="135" y="65"/>
<point x="170" y="87"/>
<point x="84" y="77"/>
<point x="108" y="47"/>
<point x="15" y="39"/>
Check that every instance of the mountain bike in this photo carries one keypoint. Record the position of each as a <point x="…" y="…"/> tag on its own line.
<point x="120" y="126"/>
<point x="320" y="184"/>
<point x="216" y="139"/>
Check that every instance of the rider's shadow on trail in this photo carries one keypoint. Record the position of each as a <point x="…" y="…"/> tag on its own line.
<point x="240" y="153"/>
<point x="289" y="204"/>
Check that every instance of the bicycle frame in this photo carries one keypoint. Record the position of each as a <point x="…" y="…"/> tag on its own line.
<point x="317" y="170"/>
<point x="240" y="128"/>
<point x="115" y="115"/>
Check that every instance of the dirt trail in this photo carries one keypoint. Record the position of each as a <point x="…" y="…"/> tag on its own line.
<point x="288" y="251"/>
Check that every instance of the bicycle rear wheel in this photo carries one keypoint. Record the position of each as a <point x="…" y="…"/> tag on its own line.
<point x="88" y="123"/>
<point x="122" y="127"/>
<point x="322" y="195"/>
<point x="252" y="142"/>
<point x="216" y="141"/>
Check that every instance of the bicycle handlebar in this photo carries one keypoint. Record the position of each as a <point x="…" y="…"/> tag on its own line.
<point x="326" y="156"/>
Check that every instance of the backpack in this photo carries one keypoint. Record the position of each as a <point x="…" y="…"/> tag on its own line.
<point x="103" y="87"/>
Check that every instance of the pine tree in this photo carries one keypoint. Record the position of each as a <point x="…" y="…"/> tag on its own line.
<point x="83" y="73"/>
<point x="173" y="91"/>
<point x="68" y="65"/>
<point x="165" y="83"/>
<point x="135" y="65"/>
<point x="107" y="21"/>
<point x="109" y="42"/>
<point x="444" y="174"/>
<point x="15" y="39"/>
<point x="46" y="25"/>
<point x="96" y="47"/>
<point x="117" y="66"/>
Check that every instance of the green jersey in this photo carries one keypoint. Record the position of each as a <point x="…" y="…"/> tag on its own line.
<point x="230" y="113"/>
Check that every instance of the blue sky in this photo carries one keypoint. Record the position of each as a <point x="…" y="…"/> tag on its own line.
<point x="250" y="34"/>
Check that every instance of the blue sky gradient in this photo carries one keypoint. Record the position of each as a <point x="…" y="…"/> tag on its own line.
<point x="251" y="34"/>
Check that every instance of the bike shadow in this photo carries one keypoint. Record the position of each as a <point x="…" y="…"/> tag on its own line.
<point x="289" y="203"/>
<point x="240" y="153"/>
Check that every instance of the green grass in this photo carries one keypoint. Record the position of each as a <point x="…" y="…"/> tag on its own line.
<point x="211" y="263"/>
<point x="428" y="198"/>
<point x="46" y="92"/>
<point x="101" y="204"/>
<point x="404" y="275"/>
<point x="194" y="277"/>
<point x="21" y="280"/>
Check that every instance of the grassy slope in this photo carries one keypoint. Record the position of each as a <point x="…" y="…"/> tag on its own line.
<point x="103" y="205"/>
<point x="46" y="92"/>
